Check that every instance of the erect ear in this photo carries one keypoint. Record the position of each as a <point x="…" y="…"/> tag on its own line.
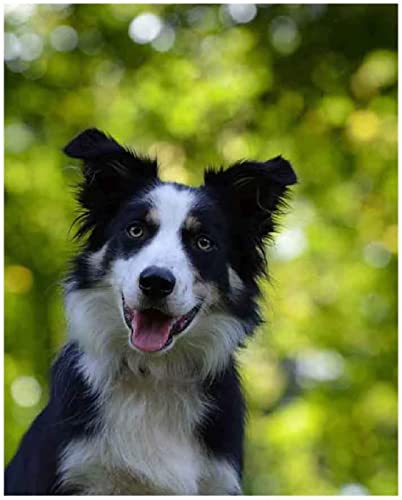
<point x="112" y="174"/>
<point x="253" y="191"/>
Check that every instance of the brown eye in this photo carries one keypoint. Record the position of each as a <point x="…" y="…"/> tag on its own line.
<point x="135" y="231"/>
<point x="204" y="243"/>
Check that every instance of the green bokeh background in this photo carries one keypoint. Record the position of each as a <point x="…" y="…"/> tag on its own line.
<point x="217" y="83"/>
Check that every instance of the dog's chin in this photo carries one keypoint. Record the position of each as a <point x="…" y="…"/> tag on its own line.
<point x="154" y="332"/>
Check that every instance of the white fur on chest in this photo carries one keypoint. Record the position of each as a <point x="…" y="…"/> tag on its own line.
<point x="146" y="441"/>
<point x="146" y="446"/>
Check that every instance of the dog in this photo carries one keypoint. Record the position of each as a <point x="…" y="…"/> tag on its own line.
<point x="145" y="396"/>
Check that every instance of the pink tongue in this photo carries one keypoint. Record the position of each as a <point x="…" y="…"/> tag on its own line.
<point x="150" y="330"/>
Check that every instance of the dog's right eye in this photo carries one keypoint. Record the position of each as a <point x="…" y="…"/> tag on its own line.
<point x="136" y="230"/>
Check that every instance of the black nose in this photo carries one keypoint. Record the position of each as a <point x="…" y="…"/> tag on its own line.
<point x="156" y="282"/>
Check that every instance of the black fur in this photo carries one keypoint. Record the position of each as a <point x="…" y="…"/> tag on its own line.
<point x="222" y="429"/>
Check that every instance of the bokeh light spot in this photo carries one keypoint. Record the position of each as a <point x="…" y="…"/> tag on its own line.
<point x="31" y="46"/>
<point x="354" y="489"/>
<point x="242" y="13"/>
<point x="145" y="28"/>
<point x="289" y="244"/>
<point x="376" y="255"/>
<point x="18" y="13"/>
<point x="12" y="47"/>
<point x="18" y="137"/>
<point x="284" y="35"/>
<point x="363" y="126"/>
<point x="26" y="391"/>
<point x="64" y="38"/>
<point x="379" y="69"/>
<point x="319" y="365"/>
<point x="165" y="40"/>
<point x="336" y="109"/>
<point x="18" y="279"/>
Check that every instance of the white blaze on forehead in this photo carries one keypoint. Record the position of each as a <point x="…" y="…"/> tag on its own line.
<point x="172" y="205"/>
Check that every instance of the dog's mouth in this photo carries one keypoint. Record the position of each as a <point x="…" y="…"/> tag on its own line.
<point x="152" y="330"/>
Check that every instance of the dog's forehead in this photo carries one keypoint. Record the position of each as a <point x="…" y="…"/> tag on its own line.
<point x="171" y="205"/>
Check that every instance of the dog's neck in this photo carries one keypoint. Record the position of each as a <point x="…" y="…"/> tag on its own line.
<point x="107" y="373"/>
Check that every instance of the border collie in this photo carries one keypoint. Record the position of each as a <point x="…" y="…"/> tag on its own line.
<point x="145" y="396"/>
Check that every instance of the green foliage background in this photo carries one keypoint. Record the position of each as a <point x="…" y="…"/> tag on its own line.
<point x="315" y="83"/>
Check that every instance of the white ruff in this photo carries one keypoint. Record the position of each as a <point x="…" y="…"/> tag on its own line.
<point x="146" y="443"/>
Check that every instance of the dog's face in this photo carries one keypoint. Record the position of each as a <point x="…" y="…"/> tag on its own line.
<point x="170" y="264"/>
<point x="165" y="264"/>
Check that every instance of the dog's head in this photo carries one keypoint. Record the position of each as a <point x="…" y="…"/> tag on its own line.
<point x="167" y="267"/>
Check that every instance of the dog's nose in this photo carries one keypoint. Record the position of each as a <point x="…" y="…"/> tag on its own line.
<point x="156" y="282"/>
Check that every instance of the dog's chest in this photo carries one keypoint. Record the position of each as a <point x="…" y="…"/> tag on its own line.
<point x="146" y="444"/>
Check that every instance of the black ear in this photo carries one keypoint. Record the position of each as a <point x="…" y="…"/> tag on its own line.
<point x="90" y="144"/>
<point x="112" y="174"/>
<point x="253" y="192"/>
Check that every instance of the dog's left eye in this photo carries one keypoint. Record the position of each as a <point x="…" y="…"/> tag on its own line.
<point x="204" y="243"/>
<point x="136" y="230"/>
